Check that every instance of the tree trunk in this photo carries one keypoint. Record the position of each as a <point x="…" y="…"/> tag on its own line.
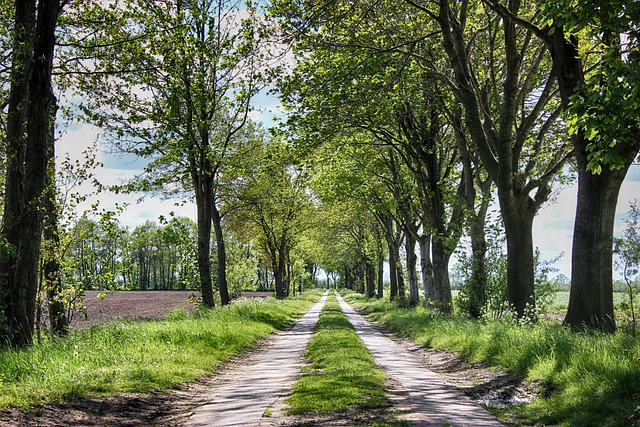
<point x="518" y="225"/>
<point x="412" y="260"/>
<point x="279" y="271"/>
<point x="441" y="256"/>
<point x="400" y="273"/>
<point x="393" y="272"/>
<point x="426" y="268"/>
<point x="32" y="103"/>
<point x="478" y="279"/>
<point x="380" y="292"/>
<point x="204" y="203"/>
<point x="371" y="279"/>
<point x="471" y="172"/>
<point x="51" y="264"/>
<point x="591" y="296"/>
<point x="221" y="256"/>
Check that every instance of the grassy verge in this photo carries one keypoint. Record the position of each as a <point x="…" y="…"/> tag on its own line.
<point x="140" y="356"/>
<point x="342" y="376"/>
<point x="595" y="378"/>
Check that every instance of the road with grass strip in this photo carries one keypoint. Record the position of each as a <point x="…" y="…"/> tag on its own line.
<point x="427" y="399"/>
<point x="247" y="396"/>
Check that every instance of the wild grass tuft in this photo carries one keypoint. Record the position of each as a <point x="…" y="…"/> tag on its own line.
<point x="128" y="356"/>
<point x="593" y="379"/>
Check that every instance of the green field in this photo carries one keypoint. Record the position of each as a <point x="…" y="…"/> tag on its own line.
<point x="562" y="299"/>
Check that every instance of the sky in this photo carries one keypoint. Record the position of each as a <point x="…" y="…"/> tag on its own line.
<point x="552" y="228"/>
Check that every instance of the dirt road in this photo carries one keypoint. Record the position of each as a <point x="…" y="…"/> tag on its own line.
<point x="244" y="396"/>
<point x="428" y="399"/>
<point x="250" y="390"/>
<point x="425" y="399"/>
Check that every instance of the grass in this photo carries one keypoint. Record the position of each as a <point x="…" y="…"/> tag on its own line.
<point x="594" y="378"/>
<point x="342" y="375"/>
<point x="561" y="301"/>
<point x="129" y="356"/>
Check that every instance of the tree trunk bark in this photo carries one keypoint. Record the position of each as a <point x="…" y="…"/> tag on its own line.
<point x="412" y="260"/>
<point x="380" y="292"/>
<point x="478" y="285"/>
<point x="221" y="256"/>
<point x="51" y="265"/>
<point x="518" y="224"/>
<point x="441" y="281"/>
<point x="204" y="203"/>
<point x="399" y="272"/>
<point x="279" y="267"/>
<point x="393" y="272"/>
<point x="371" y="278"/>
<point x="591" y="296"/>
<point x="426" y="268"/>
<point x="31" y="108"/>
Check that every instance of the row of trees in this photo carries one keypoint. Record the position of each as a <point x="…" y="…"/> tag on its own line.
<point x="170" y="82"/>
<point x="426" y="110"/>
<point x="407" y="117"/>
<point x="103" y="255"/>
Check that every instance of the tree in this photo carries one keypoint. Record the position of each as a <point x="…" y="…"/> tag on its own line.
<point x="29" y="138"/>
<point x="172" y="82"/>
<point x="605" y="144"/>
<point x="52" y="250"/>
<point x="353" y="75"/>
<point x="273" y="199"/>
<point x="510" y="111"/>
<point x="593" y="46"/>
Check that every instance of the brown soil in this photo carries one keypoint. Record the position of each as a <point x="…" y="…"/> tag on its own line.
<point x="142" y="305"/>
<point x="171" y="407"/>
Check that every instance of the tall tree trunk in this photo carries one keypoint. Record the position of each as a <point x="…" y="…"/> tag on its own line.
<point x="16" y="321"/>
<point x="426" y="269"/>
<point x="591" y="297"/>
<point x="279" y="270"/>
<point x="412" y="260"/>
<point x="477" y="285"/>
<point x="371" y="279"/>
<point x="478" y="279"/>
<point x="31" y="107"/>
<point x="52" y="271"/>
<point x="393" y="271"/>
<point x="518" y="224"/>
<point x="441" y="256"/>
<point x="380" y="291"/>
<point x="204" y="203"/>
<point x="399" y="272"/>
<point x="221" y="256"/>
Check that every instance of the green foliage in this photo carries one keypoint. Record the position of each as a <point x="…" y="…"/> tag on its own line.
<point x="495" y="266"/>
<point x="271" y="188"/>
<point x="606" y="106"/>
<point x="128" y="356"/>
<point x="242" y="267"/>
<point x="590" y="379"/>
<point x="103" y="255"/>
<point x="342" y="374"/>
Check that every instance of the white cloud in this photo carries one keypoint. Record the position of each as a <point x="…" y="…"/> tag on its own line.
<point x="553" y="227"/>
